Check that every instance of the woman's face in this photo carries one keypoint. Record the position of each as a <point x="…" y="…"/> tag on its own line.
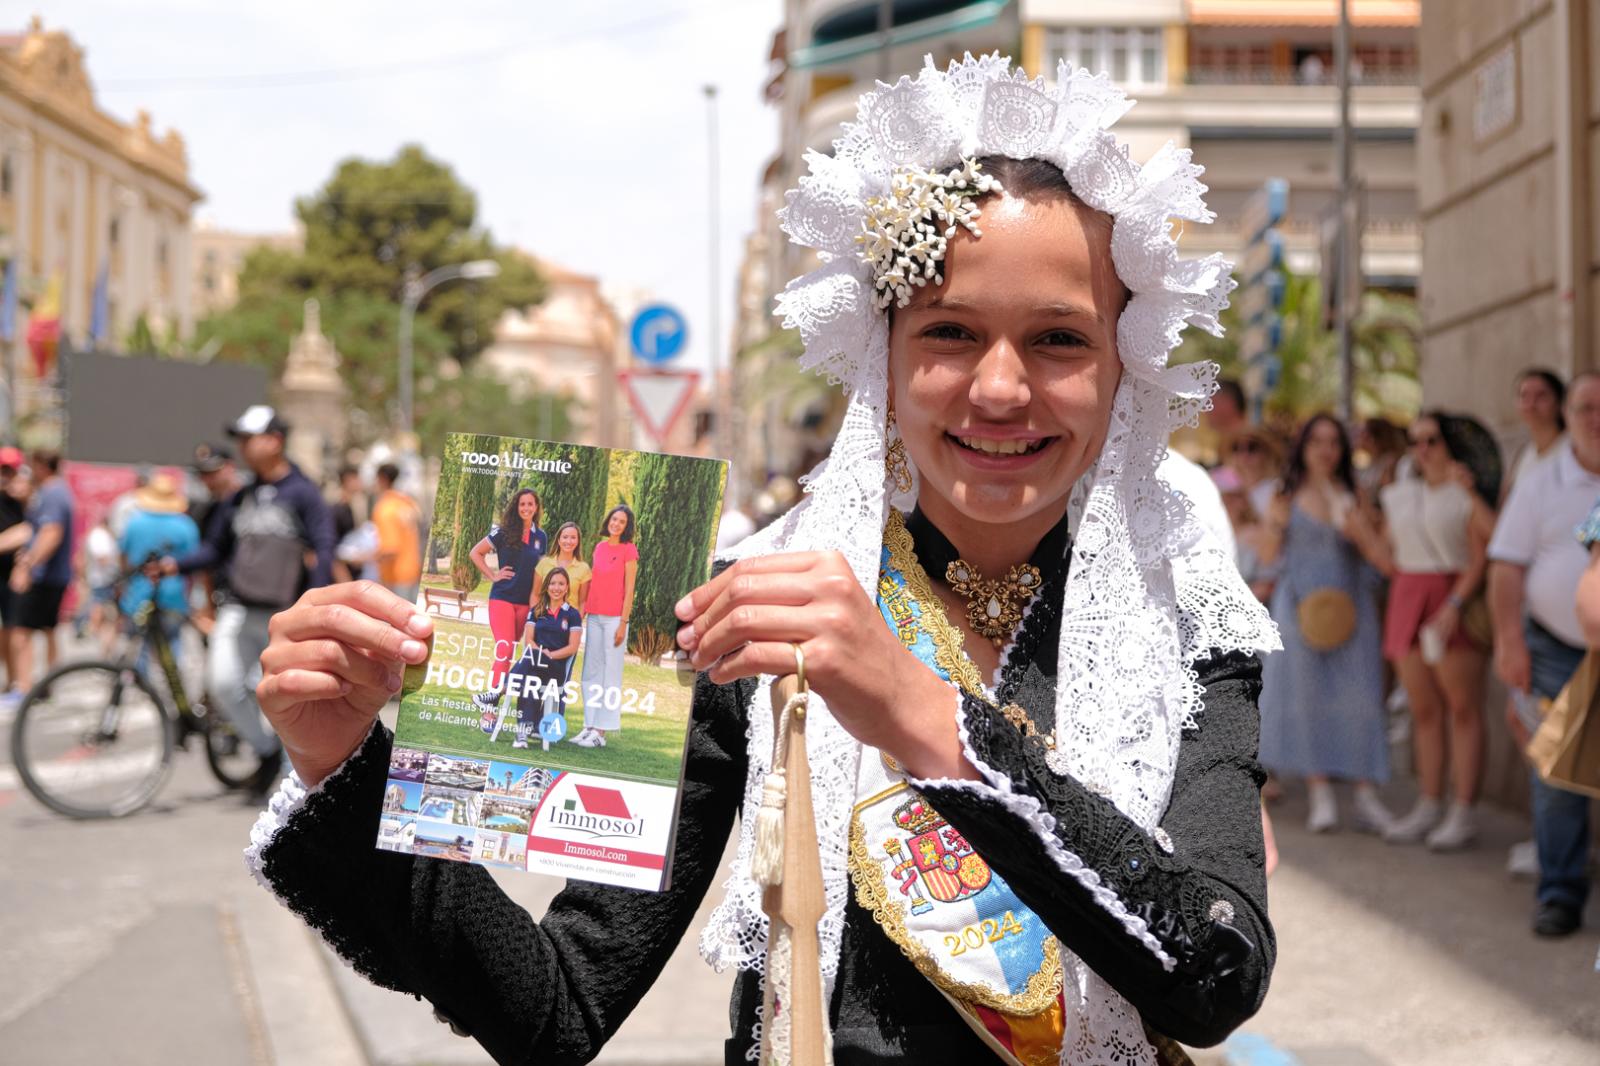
<point x="1536" y="402"/>
<point x="567" y="542"/>
<point x="1427" y="445"/>
<point x="557" y="586"/>
<point x="528" y="508"/>
<point x="1003" y="377"/>
<point x="1249" y="457"/>
<point x="617" y="524"/>
<point x="1322" y="449"/>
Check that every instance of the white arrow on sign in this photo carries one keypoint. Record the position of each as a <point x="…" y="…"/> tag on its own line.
<point x="659" y="397"/>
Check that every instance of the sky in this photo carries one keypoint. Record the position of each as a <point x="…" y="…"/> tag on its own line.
<point x="581" y="125"/>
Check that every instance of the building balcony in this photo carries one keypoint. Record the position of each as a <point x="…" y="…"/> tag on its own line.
<point x="844" y="30"/>
<point x="1305" y="77"/>
<point x="1260" y="109"/>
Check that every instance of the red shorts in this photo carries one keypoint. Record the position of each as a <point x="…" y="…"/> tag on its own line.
<point x="1413" y="599"/>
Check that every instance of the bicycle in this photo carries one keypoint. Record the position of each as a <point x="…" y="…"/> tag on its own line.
<point x="95" y="738"/>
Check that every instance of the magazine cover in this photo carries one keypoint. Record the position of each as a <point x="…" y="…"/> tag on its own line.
<point x="546" y="731"/>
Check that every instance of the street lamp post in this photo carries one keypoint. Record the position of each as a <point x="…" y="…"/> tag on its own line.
<point x="415" y="290"/>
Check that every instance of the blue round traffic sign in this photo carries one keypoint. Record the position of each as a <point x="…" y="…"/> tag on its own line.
<point x="658" y="333"/>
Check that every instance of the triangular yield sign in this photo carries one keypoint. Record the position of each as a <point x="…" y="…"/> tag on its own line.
<point x="659" y="397"/>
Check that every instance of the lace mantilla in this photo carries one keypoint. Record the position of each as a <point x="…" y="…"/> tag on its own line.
<point x="1149" y="592"/>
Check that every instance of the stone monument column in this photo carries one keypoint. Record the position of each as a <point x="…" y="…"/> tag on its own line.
<point x="311" y="399"/>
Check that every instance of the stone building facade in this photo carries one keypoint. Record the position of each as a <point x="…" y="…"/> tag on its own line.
<point x="83" y="193"/>
<point x="1508" y="182"/>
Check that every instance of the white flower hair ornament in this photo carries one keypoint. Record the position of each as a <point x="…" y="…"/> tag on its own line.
<point x="1149" y="592"/>
<point x="905" y="235"/>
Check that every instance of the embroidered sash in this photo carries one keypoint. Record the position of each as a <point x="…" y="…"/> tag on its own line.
<point x="935" y="897"/>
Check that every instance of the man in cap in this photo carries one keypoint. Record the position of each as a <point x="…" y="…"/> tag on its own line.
<point x="42" y="571"/>
<point x="270" y="541"/>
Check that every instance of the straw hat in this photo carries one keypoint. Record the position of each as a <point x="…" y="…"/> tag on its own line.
<point x="161" y="496"/>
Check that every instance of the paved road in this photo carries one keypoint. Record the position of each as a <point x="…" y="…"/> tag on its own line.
<point x="143" y="941"/>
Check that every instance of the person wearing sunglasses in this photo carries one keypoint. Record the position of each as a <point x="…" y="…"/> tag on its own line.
<point x="1253" y="457"/>
<point x="1434" y="532"/>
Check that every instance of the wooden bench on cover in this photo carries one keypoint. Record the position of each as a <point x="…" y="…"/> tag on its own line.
<point x="436" y="600"/>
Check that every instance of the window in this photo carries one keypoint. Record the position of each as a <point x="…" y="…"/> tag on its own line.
<point x="1133" y="56"/>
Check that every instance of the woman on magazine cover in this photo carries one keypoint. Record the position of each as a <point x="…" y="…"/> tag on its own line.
<point x="1033" y="672"/>
<point x="567" y="553"/>
<point x="518" y="544"/>
<point x="610" y="602"/>
<point x="552" y="636"/>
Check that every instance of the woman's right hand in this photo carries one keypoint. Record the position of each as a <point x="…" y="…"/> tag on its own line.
<point x="505" y="573"/>
<point x="335" y="658"/>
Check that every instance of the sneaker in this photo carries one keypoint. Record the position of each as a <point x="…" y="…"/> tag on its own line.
<point x="599" y="740"/>
<point x="487" y="701"/>
<point x="1371" y="815"/>
<point x="1522" y="861"/>
<point x="1324" y="817"/>
<point x="1457" y="830"/>
<point x="583" y="738"/>
<point x="1554" y="918"/>
<point x="1415" y="825"/>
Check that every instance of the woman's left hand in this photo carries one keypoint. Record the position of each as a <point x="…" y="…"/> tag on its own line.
<point x="622" y="635"/>
<point x="745" y="621"/>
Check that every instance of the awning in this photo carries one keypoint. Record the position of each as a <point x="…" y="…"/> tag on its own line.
<point x="970" y="17"/>
<point x="1302" y="13"/>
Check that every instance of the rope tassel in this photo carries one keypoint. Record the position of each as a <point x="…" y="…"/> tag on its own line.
<point x="794" y="1030"/>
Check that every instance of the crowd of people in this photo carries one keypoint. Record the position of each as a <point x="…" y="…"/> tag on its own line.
<point x="261" y="534"/>
<point x="1398" y="564"/>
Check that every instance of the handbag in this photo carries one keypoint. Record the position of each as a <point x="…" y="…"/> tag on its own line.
<point x="1327" y="618"/>
<point x="1565" y="749"/>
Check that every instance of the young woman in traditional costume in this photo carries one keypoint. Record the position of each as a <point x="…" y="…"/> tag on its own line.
<point x="1032" y="722"/>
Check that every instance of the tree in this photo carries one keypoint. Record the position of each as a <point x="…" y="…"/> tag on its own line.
<point x="473" y="513"/>
<point x="1387" y="329"/>
<point x="676" y="505"/>
<point x="370" y="227"/>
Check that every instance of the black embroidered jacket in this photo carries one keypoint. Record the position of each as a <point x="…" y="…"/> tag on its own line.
<point x="554" y="990"/>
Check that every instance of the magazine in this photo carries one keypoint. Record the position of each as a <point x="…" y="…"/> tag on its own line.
<point x="546" y="731"/>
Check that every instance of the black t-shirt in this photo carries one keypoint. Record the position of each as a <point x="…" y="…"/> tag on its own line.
<point x="11" y="512"/>
<point x="344" y="520"/>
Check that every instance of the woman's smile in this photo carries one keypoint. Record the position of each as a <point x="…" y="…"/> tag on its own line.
<point x="998" y="448"/>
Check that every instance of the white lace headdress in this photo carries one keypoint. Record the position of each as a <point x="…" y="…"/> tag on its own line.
<point x="1148" y="594"/>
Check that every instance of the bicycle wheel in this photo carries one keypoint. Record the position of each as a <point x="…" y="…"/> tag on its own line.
<point x="92" y="740"/>
<point x="232" y="761"/>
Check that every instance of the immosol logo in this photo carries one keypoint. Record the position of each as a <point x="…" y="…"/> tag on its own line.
<point x="597" y="812"/>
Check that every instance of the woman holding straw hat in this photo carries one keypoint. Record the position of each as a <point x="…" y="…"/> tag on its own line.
<point x="1032" y="723"/>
